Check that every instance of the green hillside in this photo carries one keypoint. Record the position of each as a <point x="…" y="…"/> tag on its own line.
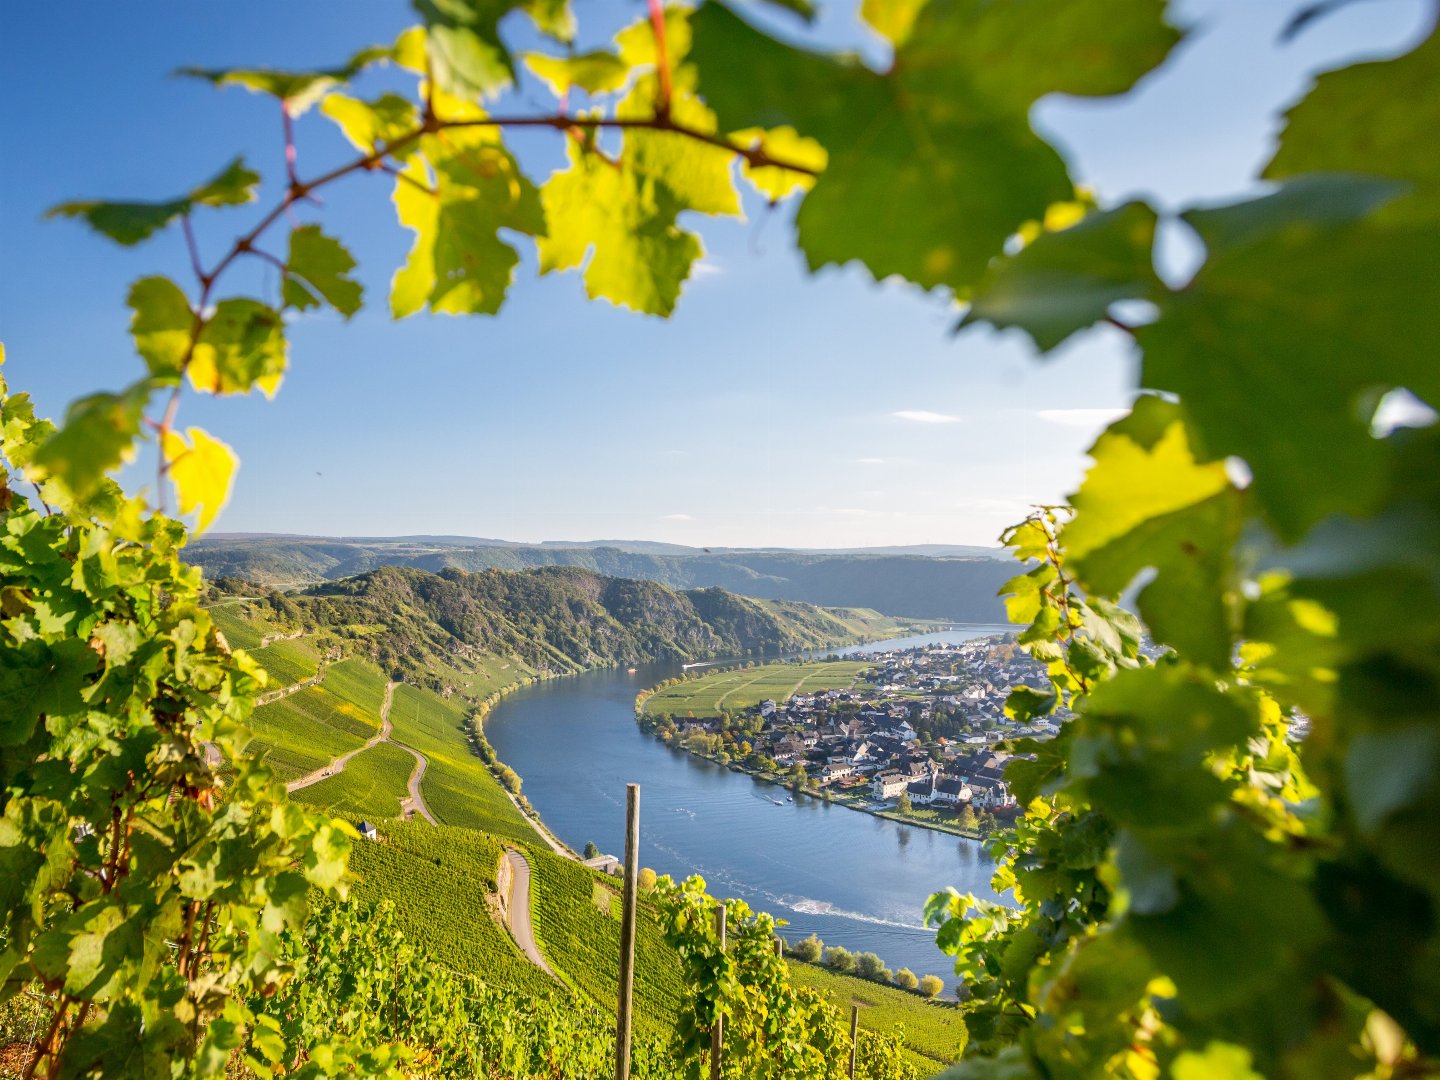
<point x="442" y="878"/>
<point x="740" y="688"/>
<point x="950" y="583"/>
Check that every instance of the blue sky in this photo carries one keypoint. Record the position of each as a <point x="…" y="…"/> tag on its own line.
<point x="775" y="408"/>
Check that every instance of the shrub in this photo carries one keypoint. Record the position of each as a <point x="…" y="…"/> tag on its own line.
<point x="869" y="966"/>
<point x="841" y="959"/>
<point x="809" y="949"/>
<point x="646" y="879"/>
<point x="931" y="985"/>
<point x="906" y="980"/>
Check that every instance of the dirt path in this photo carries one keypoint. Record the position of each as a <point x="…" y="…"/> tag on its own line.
<point x="415" y="802"/>
<point x="338" y="765"/>
<point x="517" y="911"/>
<point x="286" y="691"/>
<point x="271" y="639"/>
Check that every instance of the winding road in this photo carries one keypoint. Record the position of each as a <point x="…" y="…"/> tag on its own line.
<point x="414" y="803"/>
<point x="517" y="911"/>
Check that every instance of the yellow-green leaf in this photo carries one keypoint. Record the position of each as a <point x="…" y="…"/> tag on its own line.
<point x="202" y="468"/>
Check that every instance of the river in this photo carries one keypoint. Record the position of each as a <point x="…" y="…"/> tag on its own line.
<point x="853" y="879"/>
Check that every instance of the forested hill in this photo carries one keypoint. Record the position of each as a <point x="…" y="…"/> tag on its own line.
<point x="420" y="625"/>
<point x="955" y="587"/>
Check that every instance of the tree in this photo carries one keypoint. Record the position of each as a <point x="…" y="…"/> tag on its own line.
<point x="809" y="949"/>
<point x="591" y="851"/>
<point x="645" y="880"/>
<point x="931" y="985"/>
<point x="968" y="821"/>
<point x="869" y="966"/>
<point x="903" y="803"/>
<point x="906" y="980"/>
<point x="840" y="958"/>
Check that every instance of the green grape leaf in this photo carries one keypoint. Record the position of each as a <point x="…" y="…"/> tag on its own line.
<point x="317" y="271"/>
<point x="40" y="679"/>
<point x="1388" y="770"/>
<point x="1149" y="503"/>
<point x="466" y="56"/>
<point x="1063" y="282"/>
<point x="940" y="149"/>
<point x="299" y="90"/>
<point x="98" y="435"/>
<point x="241" y="348"/>
<point x="1376" y="119"/>
<point x="202" y="468"/>
<point x="458" y="263"/>
<point x="1303" y="310"/>
<point x="596" y="72"/>
<point x="128" y="223"/>
<point x="638" y="256"/>
<point x="161" y="324"/>
<point x="698" y="175"/>
<point x="552" y="18"/>
<point x="371" y="124"/>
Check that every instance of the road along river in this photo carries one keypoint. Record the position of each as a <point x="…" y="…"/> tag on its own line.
<point x="854" y="879"/>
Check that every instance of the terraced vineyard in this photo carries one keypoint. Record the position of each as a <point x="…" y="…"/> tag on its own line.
<point x="304" y="730"/>
<point x="582" y="942"/>
<point x="934" y="1031"/>
<point x="371" y="785"/>
<point x="458" y="787"/>
<point x="439" y="878"/>
<point x="742" y="688"/>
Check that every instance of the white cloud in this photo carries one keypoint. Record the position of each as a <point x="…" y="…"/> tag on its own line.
<point x="925" y="416"/>
<point x="1086" y="418"/>
<point x="870" y="461"/>
<point x="677" y="517"/>
<point x="706" y="268"/>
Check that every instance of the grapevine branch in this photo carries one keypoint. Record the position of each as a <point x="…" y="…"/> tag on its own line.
<point x="298" y="190"/>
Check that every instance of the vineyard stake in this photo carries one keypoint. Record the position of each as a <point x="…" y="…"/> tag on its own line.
<point x="717" y="1033"/>
<point x="854" y="1037"/>
<point x="627" y="931"/>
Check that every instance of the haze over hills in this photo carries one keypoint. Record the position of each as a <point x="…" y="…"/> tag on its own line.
<point x="931" y="581"/>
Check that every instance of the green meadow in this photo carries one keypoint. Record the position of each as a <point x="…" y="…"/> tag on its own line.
<point x="734" y="690"/>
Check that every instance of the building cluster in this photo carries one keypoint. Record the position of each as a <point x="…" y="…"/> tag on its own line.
<point x="923" y="724"/>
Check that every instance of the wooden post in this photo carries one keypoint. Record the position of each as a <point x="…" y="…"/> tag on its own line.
<point x="717" y="1033"/>
<point x="779" y="947"/>
<point x="854" y="1037"/>
<point x="627" y="931"/>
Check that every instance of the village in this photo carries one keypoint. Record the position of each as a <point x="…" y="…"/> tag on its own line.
<point x="920" y="734"/>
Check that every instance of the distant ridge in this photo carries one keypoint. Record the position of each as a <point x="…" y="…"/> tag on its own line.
<point x="923" y="581"/>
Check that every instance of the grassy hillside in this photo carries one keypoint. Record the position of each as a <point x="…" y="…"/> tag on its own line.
<point x="442" y="878"/>
<point x="737" y="689"/>
<point x="945" y="585"/>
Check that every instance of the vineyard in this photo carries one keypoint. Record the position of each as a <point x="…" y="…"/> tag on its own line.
<point x="371" y="785"/>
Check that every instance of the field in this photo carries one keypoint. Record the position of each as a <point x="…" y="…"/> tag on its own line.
<point x="933" y="1030"/>
<point x="457" y="786"/>
<point x="439" y="879"/>
<point x="739" y="689"/>
<point x="583" y="943"/>
<point x="288" y="662"/>
<point x="371" y="786"/>
<point x="304" y="730"/>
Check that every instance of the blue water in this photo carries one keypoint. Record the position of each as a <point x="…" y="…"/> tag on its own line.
<point x="856" y="880"/>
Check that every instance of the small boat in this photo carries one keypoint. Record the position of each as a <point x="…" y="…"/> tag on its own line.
<point x="630" y="671"/>
<point x="790" y="799"/>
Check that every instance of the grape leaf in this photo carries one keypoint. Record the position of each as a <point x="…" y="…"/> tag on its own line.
<point x="38" y="678"/>
<point x="1376" y="119"/>
<point x="98" y="435"/>
<point x="161" y="325"/>
<point x="698" y="176"/>
<point x="552" y="18"/>
<point x="1266" y="331"/>
<point x="202" y="468"/>
<point x="939" y="150"/>
<point x="891" y="19"/>
<point x="241" y="348"/>
<point x="128" y="223"/>
<point x="638" y="255"/>
<point x="458" y="263"/>
<point x="318" y="271"/>
<point x="370" y="124"/>
<point x="1149" y="503"/>
<point x="467" y="57"/>
<point x="781" y="144"/>
<point x="299" y="90"/>
<point x="1063" y="282"/>
<point x="596" y="72"/>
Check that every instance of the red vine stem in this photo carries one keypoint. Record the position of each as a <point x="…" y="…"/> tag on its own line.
<point x="298" y="190"/>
